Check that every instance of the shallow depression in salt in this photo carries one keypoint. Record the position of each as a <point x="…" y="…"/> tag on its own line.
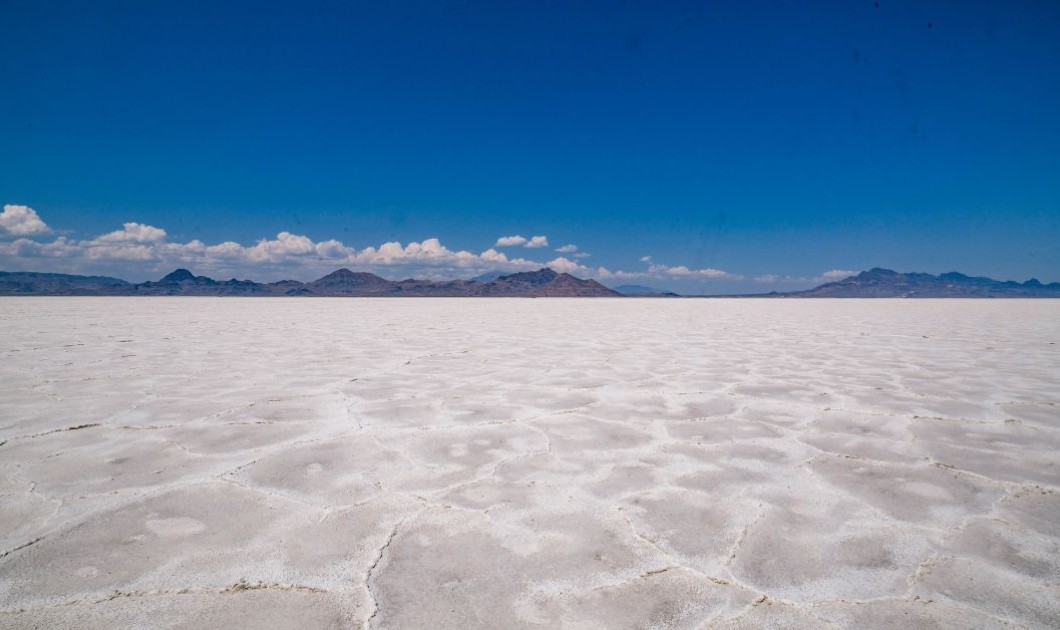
<point x="577" y="463"/>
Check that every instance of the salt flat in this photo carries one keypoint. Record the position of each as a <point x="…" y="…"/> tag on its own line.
<point x="448" y="463"/>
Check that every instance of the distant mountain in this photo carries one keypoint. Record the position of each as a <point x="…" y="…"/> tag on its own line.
<point x="346" y="282"/>
<point x="886" y="283"/>
<point x="342" y="283"/>
<point x="180" y="275"/>
<point x="641" y="290"/>
<point x="537" y="278"/>
<point x="183" y="282"/>
<point x="30" y="283"/>
<point x="487" y="277"/>
<point x="566" y="285"/>
<point x="543" y="283"/>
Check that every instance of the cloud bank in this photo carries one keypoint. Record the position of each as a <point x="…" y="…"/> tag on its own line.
<point x="139" y="251"/>
<point x="286" y="255"/>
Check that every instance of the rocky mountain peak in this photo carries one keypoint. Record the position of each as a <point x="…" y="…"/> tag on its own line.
<point x="179" y="275"/>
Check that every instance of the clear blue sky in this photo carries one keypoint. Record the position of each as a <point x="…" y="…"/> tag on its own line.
<point x="755" y="138"/>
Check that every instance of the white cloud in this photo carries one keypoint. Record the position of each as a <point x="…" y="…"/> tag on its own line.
<point x="510" y="241"/>
<point x="683" y="271"/>
<point x="286" y="246"/>
<point x="645" y="259"/>
<point x="228" y="250"/>
<point x="627" y="275"/>
<point x="494" y="256"/>
<point x="286" y="255"/>
<point x="679" y="270"/>
<point x="567" y="249"/>
<point x="582" y="255"/>
<point x="563" y="265"/>
<point x="139" y="251"/>
<point x="134" y="233"/>
<point x="25" y="248"/>
<point x="21" y="221"/>
<point x="837" y="274"/>
<point x="785" y="280"/>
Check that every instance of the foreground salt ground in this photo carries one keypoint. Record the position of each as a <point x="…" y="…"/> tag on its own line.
<point x="212" y="462"/>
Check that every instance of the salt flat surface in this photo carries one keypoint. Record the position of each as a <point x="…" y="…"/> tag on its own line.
<point x="447" y="463"/>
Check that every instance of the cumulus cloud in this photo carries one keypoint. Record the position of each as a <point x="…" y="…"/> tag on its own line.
<point x="286" y="255"/>
<point x="564" y="265"/>
<point x="606" y="274"/>
<point x="838" y="274"/>
<point x="287" y="246"/>
<point x="510" y="241"/>
<point x="134" y="233"/>
<point x="21" y="221"/>
<point x="785" y="279"/>
<point x="141" y="251"/>
<point x="567" y="249"/>
<point x="493" y="256"/>
<point x="683" y="271"/>
<point x="645" y="259"/>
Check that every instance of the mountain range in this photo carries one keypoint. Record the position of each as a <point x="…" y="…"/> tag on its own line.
<point x="884" y="283"/>
<point x="874" y="283"/>
<point x="342" y="283"/>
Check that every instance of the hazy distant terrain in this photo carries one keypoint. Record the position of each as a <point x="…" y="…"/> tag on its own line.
<point x="874" y="283"/>
<point x="609" y="463"/>
<point x="886" y="283"/>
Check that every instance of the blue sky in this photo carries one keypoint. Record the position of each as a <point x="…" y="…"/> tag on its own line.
<point x="741" y="146"/>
